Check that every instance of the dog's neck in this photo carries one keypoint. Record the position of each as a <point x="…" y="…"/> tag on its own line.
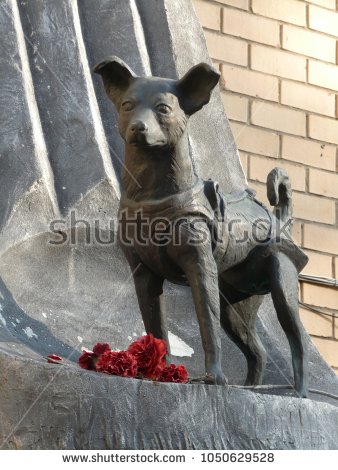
<point x="152" y="174"/>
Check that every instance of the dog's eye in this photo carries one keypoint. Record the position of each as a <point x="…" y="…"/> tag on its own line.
<point x="128" y="106"/>
<point x="163" y="108"/>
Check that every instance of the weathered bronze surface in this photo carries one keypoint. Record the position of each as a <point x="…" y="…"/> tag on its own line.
<point x="228" y="248"/>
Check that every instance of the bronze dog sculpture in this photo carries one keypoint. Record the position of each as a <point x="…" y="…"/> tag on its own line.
<point x="226" y="247"/>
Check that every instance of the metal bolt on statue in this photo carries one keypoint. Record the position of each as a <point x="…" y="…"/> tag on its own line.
<point x="228" y="248"/>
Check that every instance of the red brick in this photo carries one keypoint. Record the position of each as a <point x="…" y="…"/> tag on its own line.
<point x="278" y="118"/>
<point x="323" y="20"/>
<point x="323" y="129"/>
<point x="321" y="238"/>
<point x="316" y="324"/>
<point x="323" y="183"/>
<point x="320" y="296"/>
<point x="277" y="62"/>
<point x="250" y="83"/>
<point x="323" y="3"/>
<point x="309" y="153"/>
<point x="328" y="348"/>
<point x="253" y="140"/>
<point x="208" y="14"/>
<point x="290" y="11"/>
<point x="242" y="4"/>
<point x="260" y="167"/>
<point x="249" y="26"/>
<point x="297" y="232"/>
<point x="224" y="48"/>
<point x="317" y="209"/>
<point x="319" y="264"/>
<point x="309" y="43"/>
<point x="236" y="106"/>
<point x="323" y="75"/>
<point x="308" y="98"/>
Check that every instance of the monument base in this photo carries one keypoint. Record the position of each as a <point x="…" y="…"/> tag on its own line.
<point x="46" y="406"/>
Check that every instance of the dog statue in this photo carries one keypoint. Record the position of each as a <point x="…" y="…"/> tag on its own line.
<point x="228" y="248"/>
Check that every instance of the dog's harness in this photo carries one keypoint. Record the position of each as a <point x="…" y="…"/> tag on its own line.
<point x="204" y="201"/>
<point x="220" y="211"/>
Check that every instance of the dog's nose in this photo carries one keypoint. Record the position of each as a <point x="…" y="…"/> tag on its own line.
<point x="139" y="126"/>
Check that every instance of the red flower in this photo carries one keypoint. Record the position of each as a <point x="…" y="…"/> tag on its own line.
<point x="117" y="363"/>
<point x="53" y="358"/>
<point x="145" y="357"/>
<point x="149" y="353"/>
<point x="100" y="348"/>
<point x="173" y="373"/>
<point x="87" y="360"/>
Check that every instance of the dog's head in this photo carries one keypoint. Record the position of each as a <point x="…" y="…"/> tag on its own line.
<point x="153" y="112"/>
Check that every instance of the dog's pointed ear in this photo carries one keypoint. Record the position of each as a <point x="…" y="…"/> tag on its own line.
<point x="194" y="89"/>
<point x="117" y="77"/>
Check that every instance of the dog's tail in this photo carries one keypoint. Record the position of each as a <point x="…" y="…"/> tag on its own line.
<point x="280" y="195"/>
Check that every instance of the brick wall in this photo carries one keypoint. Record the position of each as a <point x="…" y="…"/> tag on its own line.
<point x="278" y="60"/>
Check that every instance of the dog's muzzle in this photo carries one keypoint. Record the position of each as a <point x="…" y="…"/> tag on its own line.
<point x="137" y="132"/>
<point x="139" y="127"/>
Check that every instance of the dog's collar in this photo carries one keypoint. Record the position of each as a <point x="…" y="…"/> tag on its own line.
<point x="193" y="196"/>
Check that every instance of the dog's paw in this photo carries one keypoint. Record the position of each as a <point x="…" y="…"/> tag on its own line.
<point x="210" y="379"/>
<point x="216" y="378"/>
<point x="302" y="392"/>
<point x="197" y="380"/>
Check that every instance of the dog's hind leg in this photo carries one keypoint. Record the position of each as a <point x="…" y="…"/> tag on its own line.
<point x="238" y="319"/>
<point x="284" y="292"/>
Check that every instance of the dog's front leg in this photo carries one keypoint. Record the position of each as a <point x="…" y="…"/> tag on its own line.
<point x="197" y="262"/>
<point x="149" y="291"/>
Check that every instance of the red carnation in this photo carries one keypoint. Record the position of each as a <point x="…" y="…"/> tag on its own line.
<point x="87" y="360"/>
<point x="54" y="358"/>
<point x="149" y="353"/>
<point x="173" y="373"/>
<point x="117" y="363"/>
<point x="100" y="348"/>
